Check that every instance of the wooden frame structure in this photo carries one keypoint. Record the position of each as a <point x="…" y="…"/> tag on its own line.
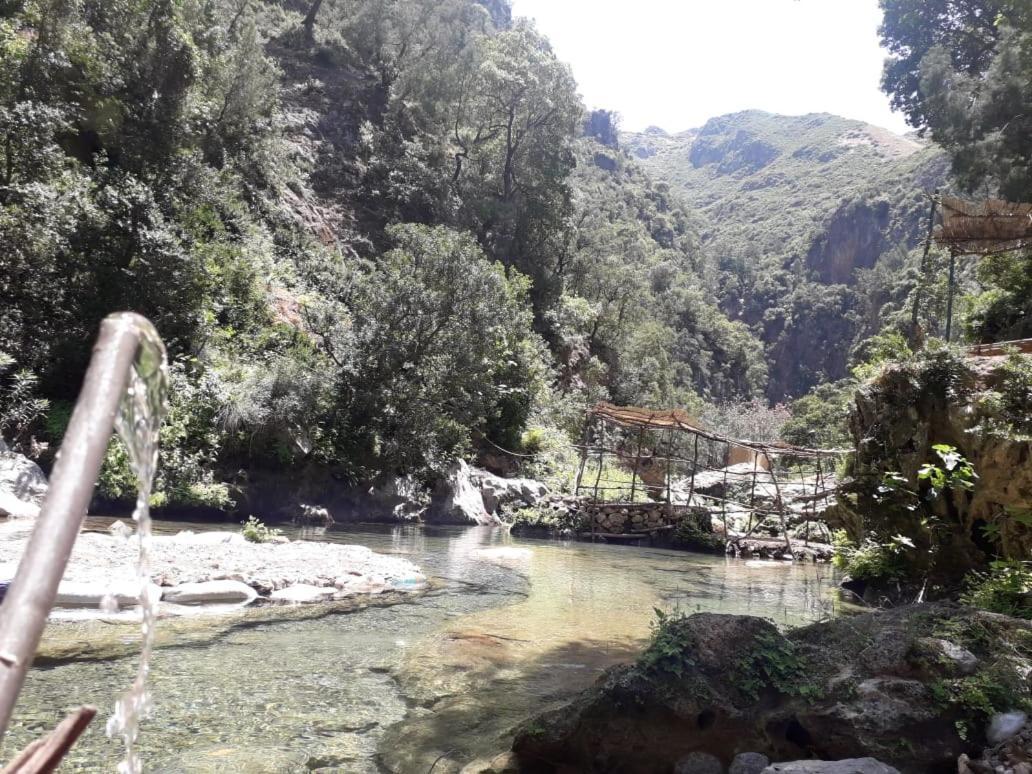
<point x="668" y="453"/>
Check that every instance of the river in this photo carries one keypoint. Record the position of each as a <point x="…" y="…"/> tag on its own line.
<point x="511" y="627"/>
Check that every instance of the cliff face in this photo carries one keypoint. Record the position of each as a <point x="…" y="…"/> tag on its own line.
<point x="897" y="421"/>
<point x="795" y="210"/>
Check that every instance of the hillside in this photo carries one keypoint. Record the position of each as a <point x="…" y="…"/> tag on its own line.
<point x="808" y="222"/>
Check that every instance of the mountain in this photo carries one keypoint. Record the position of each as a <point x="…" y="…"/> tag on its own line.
<point x="809" y="223"/>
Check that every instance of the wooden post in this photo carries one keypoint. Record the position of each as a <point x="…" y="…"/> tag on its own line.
<point x="780" y="504"/>
<point x="695" y="465"/>
<point x="584" y="455"/>
<point x="949" y="295"/>
<point x="601" y="456"/>
<point x="637" y="461"/>
<point x="924" y="270"/>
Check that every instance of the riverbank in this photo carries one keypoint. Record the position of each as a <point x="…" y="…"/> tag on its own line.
<point x="190" y="569"/>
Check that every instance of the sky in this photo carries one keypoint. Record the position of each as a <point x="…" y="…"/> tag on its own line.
<point x="676" y="63"/>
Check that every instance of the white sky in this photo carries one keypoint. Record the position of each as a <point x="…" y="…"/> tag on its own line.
<point x="676" y="63"/>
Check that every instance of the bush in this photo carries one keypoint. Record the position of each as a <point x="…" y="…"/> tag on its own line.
<point x="873" y="559"/>
<point x="256" y="532"/>
<point x="1006" y="588"/>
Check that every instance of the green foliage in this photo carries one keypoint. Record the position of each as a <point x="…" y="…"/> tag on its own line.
<point x="669" y="649"/>
<point x="1014" y="384"/>
<point x="998" y="688"/>
<point x="255" y="531"/>
<point x="1006" y="588"/>
<point x="189" y="445"/>
<point x="818" y="419"/>
<point x="546" y="518"/>
<point x="688" y="534"/>
<point x="873" y="559"/>
<point x="774" y="662"/>
<point x="20" y="405"/>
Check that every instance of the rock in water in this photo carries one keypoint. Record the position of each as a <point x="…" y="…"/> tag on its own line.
<point x="699" y="763"/>
<point x="22" y="485"/>
<point x="748" y="763"/>
<point x="210" y="592"/>
<point x="847" y="766"/>
<point x="1004" y="725"/>
<point x="457" y="500"/>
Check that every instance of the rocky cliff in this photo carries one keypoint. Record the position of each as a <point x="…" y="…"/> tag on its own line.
<point x="797" y="210"/>
<point x="914" y="425"/>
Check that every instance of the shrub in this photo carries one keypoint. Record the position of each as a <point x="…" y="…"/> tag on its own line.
<point x="256" y="532"/>
<point x="1006" y="588"/>
<point x="873" y="559"/>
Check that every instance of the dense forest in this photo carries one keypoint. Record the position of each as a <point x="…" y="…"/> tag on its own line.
<point x="379" y="236"/>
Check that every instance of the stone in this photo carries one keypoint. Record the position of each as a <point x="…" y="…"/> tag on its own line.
<point x="302" y="593"/>
<point x="79" y="594"/>
<point x="505" y="763"/>
<point x="457" y="500"/>
<point x="23" y="486"/>
<point x="120" y="529"/>
<point x="845" y="766"/>
<point x="210" y="592"/>
<point x="849" y="692"/>
<point x="1004" y="725"/>
<point x="749" y="763"/>
<point x="962" y="660"/>
<point x="699" y="763"/>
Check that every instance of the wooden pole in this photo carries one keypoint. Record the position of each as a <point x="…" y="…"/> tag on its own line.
<point x="695" y="465"/>
<point x="949" y="296"/>
<point x="601" y="456"/>
<point x="924" y="270"/>
<point x="637" y="461"/>
<point x="583" y="455"/>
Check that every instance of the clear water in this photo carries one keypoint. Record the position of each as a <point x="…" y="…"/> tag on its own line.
<point x="395" y="688"/>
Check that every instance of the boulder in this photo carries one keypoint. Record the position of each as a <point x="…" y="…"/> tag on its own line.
<point x="699" y="763"/>
<point x="748" y="763"/>
<point x="847" y="766"/>
<point x="22" y="485"/>
<point x="400" y="497"/>
<point x="81" y="594"/>
<point x="856" y="687"/>
<point x="210" y="592"/>
<point x="457" y="499"/>
<point x="507" y="493"/>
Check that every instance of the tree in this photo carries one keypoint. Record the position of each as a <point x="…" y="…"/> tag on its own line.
<point x="962" y="69"/>
<point x="512" y="125"/>
<point x="439" y="351"/>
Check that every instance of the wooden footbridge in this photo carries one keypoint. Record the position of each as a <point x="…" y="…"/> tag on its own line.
<point x="643" y="471"/>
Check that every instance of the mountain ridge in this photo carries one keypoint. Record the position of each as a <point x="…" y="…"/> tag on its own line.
<point x="800" y="209"/>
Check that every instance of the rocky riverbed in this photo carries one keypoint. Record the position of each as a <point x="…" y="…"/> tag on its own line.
<point x="190" y="569"/>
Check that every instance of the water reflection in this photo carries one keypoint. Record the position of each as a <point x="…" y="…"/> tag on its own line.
<point x="514" y="626"/>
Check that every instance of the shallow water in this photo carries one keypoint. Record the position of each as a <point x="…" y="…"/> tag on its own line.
<point x="515" y="625"/>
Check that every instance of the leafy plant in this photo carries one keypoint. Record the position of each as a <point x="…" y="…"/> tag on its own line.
<point x="1006" y="588"/>
<point x="668" y="650"/>
<point x="774" y="662"/>
<point x="255" y="531"/>
<point x="873" y="559"/>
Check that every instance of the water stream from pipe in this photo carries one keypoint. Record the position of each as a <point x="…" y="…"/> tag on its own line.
<point x="138" y="423"/>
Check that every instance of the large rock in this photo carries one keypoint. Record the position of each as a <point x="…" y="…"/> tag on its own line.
<point x="22" y="485"/>
<point x="457" y="499"/>
<point x="507" y="493"/>
<point x="847" y="766"/>
<point x="210" y="592"/>
<point x="896" y="420"/>
<point x="851" y="688"/>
